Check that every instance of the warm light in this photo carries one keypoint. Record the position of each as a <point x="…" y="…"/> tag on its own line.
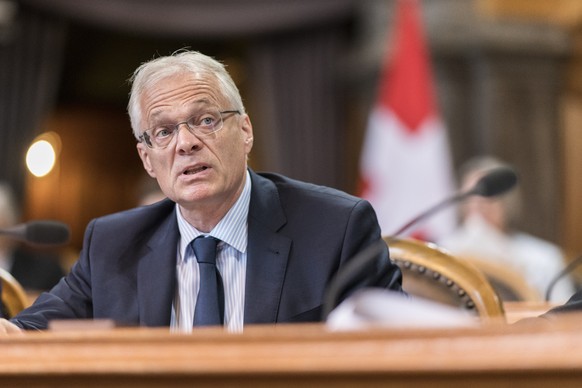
<point x="41" y="157"/>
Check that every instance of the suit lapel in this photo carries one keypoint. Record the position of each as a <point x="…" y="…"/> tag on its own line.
<point x="267" y="255"/>
<point x="156" y="278"/>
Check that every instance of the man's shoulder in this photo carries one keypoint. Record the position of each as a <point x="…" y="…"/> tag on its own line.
<point x="292" y="188"/>
<point x="139" y="217"/>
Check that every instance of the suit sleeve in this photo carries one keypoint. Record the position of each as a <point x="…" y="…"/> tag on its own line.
<point x="69" y="299"/>
<point x="363" y="231"/>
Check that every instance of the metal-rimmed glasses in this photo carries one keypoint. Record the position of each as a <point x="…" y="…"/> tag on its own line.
<point x="203" y="123"/>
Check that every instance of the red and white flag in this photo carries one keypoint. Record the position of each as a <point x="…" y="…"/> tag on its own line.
<point x="406" y="165"/>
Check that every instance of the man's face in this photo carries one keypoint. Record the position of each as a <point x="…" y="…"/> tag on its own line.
<point x="197" y="172"/>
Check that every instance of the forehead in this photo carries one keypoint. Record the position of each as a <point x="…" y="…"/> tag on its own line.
<point x="176" y="93"/>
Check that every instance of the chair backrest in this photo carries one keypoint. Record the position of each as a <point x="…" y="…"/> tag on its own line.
<point x="13" y="297"/>
<point x="509" y="284"/>
<point x="430" y="272"/>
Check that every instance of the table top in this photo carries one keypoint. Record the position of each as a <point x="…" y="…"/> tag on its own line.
<point x="536" y="351"/>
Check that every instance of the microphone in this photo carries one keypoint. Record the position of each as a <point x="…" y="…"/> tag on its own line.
<point x="495" y="182"/>
<point x="42" y="232"/>
<point x="360" y="272"/>
<point x="363" y="270"/>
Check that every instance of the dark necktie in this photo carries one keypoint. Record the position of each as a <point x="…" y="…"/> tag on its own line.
<point x="210" y="303"/>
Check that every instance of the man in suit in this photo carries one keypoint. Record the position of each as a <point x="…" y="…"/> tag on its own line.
<point x="280" y="241"/>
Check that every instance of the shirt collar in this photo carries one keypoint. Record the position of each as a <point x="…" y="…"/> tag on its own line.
<point x="232" y="228"/>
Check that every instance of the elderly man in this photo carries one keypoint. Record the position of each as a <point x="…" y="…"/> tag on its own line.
<point x="228" y="246"/>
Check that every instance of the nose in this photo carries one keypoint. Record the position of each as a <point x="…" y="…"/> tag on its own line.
<point x="186" y="141"/>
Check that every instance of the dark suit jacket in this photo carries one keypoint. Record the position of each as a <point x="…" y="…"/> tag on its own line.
<point x="299" y="236"/>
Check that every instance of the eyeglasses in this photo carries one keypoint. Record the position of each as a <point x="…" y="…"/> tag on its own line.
<point x="201" y="124"/>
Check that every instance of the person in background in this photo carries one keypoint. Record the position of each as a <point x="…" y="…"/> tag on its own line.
<point x="487" y="232"/>
<point x="36" y="269"/>
<point x="277" y="242"/>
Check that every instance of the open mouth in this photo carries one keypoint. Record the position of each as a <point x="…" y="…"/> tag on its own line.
<point x="195" y="170"/>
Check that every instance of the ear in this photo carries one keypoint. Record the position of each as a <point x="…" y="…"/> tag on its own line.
<point x="247" y="128"/>
<point x="143" y="152"/>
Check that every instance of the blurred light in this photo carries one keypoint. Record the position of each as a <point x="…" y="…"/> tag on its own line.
<point x="42" y="154"/>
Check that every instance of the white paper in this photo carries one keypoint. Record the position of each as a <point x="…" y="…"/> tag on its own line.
<point x="383" y="308"/>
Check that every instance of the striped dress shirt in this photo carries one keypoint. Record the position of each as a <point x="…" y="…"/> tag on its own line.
<point x="231" y="258"/>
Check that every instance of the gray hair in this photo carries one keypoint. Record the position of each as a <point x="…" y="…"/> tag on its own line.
<point x="182" y="61"/>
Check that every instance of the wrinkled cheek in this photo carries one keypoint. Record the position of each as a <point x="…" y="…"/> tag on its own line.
<point x="165" y="170"/>
<point x="237" y="157"/>
<point x="163" y="177"/>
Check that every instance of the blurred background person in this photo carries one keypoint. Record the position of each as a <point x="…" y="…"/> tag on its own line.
<point x="35" y="269"/>
<point x="486" y="233"/>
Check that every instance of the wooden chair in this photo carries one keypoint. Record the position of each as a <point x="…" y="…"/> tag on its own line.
<point x="432" y="273"/>
<point x="14" y="298"/>
<point x="510" y="285"/>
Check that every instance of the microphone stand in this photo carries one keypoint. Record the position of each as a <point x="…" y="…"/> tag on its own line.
<point x="441" y="205"/>
<point x="346" y="277"/>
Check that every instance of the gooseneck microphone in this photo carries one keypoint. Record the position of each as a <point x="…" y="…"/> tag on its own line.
<point x="495" y="182"/>
<point x="41" y="232"/>
<point x="364" y="270"/>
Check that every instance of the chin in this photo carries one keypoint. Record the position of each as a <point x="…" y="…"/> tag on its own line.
<point x="198" y="195"/>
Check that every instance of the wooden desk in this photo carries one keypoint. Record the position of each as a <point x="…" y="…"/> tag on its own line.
<point x="499" y="355"/>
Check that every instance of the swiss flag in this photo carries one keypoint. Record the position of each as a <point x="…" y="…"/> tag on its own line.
<point x="405" y="165"/>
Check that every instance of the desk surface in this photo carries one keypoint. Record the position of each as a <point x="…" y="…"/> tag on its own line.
<point x="537" y="354"/>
